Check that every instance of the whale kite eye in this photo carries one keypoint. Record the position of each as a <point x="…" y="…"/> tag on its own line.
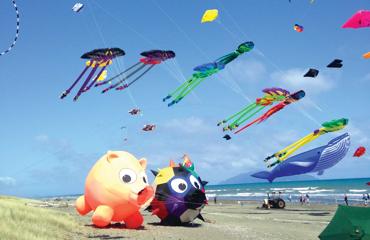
<point x="179" y="185"/>
<point x="127" y="175"/>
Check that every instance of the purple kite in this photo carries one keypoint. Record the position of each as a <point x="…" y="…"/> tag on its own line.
<point x="96" y="58"/>
<point x="360" y="19"/>
<point x="150" y="59"/>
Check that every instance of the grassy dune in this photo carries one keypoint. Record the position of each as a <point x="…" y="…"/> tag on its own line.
<point x="19" y="220"/>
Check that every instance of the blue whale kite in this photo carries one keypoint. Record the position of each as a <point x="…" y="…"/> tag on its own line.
<point x="314" y="160"/>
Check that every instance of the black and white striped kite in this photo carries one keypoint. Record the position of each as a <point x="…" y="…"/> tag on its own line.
<point x="16" y="32"/>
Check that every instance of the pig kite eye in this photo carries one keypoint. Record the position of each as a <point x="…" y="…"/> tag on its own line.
<point x="127" y="175"/>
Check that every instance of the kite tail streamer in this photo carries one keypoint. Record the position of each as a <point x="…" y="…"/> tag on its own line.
<point x="16" y="32"/>
<point x="91" y="74"/>
<point x="66" y="92"/>
<point x="137" y="78"/>
<point x="95" y="79"/>
<point x="123" y="79"/>
<point x="116" y="76"/>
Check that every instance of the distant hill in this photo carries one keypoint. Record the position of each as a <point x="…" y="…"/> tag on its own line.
<point x="246" y="178"/>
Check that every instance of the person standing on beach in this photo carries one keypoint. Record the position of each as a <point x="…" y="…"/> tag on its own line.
<point x="307" y="199"/>
<point x="346" y="199"/>
<point x="215" y="199"/>
<point x="364" y="197"/>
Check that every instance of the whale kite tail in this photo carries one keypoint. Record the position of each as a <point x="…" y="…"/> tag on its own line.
<point x="263" y="175"/>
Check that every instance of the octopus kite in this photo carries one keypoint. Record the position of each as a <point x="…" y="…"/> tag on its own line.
<point x="327" y="127"/>
<point x="16" y="30"/>
<point x="204" y="71"/>
<point x="285" y="99"/>
<point x="271" y="96"/>
<point x="149" y="60"/>
<point x="98" y="58"/>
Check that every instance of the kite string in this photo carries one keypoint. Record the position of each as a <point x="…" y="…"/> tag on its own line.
<point x="268" y="59"/>
<point x="239" y="89"/>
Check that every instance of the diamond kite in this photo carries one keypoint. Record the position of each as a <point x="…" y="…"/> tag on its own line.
<point x="209" y="15"/>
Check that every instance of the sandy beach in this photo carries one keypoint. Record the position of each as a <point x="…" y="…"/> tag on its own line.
<point x="223" y="221"/>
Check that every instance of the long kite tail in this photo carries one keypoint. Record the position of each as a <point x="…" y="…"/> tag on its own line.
<point x="241" y="112"/>
<point x="137" y="78"/>
<point x="123" y="79"/>
<point x="186" y="91"/>
<point x="181" y="88"/>
<point x="16" y="32"/>
<point x="249" y="124"/>
<point x="91" y="74"/>
<point x="95" y="79"/>
<point x="243" y="118"/>
<point x="66" y="92"/>
<point x="116" y="76"/>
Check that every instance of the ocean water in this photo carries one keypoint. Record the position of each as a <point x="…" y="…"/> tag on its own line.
<point x="319" y="191"/>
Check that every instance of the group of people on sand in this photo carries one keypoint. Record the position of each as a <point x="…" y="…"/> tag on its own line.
<point x="365" y="198"/>
<point x="304" y="199"/>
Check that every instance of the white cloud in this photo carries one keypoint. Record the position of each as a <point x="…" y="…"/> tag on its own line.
<point x="7" y="181"/>
<point x="42" y="138"/>
<point x="244" y="71"/>
<point x="190" y="125"/>
<point x="357" y="135"/>
<point x="293" y="79"/>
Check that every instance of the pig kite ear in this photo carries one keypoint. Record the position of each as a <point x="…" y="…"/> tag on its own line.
<point x="111" y="156"/>
<point x="143" y="163"/>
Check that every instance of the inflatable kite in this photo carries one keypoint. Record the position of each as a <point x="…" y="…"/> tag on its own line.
<point x="360" y="19"/>
<point x="179" y="194"/>
<point x="206" y="70"/>
<point x="360" y="151"/>
<point x="116" y="188"/>
<point x="298" y="28"/>
<point x="336" y="63"/>
<point x="98" y="58"/>
<point x="77" y="7"/>
<point x="149" y="60"/>
<point x="287" y="101"/>
<point x="209" y="15"/>
<point x="311" y="73"/>
<point x="327" y="127"/>
<point x="366" y="55"/>
<point x="271" y="96"/>
<point x="315" y="160"/>
<point x="16" y="30"/>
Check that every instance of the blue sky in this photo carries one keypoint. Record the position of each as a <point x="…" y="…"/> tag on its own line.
<point x="48" y="145"/>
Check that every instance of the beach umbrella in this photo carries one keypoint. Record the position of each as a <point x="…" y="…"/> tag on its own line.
<point x="348" y="223"/>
